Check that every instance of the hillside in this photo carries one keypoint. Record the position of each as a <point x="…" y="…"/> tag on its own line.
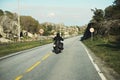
<point x="105" y="22"/>
<point x="106" y="38"/>
<point x="29" y="28"/>
<point x="8" y="25"/>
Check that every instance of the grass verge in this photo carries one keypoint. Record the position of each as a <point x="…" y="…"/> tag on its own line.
<point x="9" y="48"/>
<point x="107" y="51"/>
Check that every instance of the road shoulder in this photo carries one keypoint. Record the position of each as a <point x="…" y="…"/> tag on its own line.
<point x="108" y="72"/>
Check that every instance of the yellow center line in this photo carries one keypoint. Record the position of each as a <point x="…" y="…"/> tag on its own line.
<point x="19" y="77"/>
<point x="35" y="65"/>
<point x="32" y="67"/>
<point x="46" y="56"/>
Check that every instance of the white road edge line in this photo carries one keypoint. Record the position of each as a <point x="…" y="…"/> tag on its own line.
<point x="95" y="65"/>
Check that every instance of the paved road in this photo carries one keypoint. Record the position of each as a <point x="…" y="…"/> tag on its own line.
<point x="41" y="64"/>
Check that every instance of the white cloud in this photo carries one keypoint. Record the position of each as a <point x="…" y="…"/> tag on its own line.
<point x="51" y="15"/>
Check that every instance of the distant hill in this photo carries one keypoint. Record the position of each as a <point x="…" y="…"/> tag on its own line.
<point x="30" y="27"/>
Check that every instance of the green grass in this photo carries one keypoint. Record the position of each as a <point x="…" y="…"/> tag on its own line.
<point x="9" y="48"/>
<point x="107" y="51"/>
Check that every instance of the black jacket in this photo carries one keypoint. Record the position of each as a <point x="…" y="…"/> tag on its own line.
<point x="58" y="38"/>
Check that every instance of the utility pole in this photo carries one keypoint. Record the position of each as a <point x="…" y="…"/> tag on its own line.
<point x="61" y="25"/>
<point x="19" y="20"/>
<point x="60" y="29"/>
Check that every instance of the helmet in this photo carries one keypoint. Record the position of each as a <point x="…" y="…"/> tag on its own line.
<point x="58" y="34"/>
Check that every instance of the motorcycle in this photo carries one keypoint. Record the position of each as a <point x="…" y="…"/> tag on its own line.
<point x="58" y="47"/>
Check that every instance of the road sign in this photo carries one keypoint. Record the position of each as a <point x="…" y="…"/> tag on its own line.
<point x="92" y="30"/>
<point x="41" y="31"/>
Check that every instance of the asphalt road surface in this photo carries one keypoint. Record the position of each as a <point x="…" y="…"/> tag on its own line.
<point x="42" y="64"/>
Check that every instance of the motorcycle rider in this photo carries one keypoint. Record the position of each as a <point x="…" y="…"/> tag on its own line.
<point x="58" y="40"/>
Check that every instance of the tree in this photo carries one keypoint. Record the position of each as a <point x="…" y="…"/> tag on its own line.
<point x="109" y="11"/>
<point x="117" y="3"/>
<point x="30" y="24"/>
<point x="113" y="11"/>
<point x="48" y="29"/>
<point x="9" y="14"/>
<point x="1" y="12"/>
<point x="98" y="14"/>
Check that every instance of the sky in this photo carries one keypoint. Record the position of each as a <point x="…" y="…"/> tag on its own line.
<point x="68" y="12"/>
